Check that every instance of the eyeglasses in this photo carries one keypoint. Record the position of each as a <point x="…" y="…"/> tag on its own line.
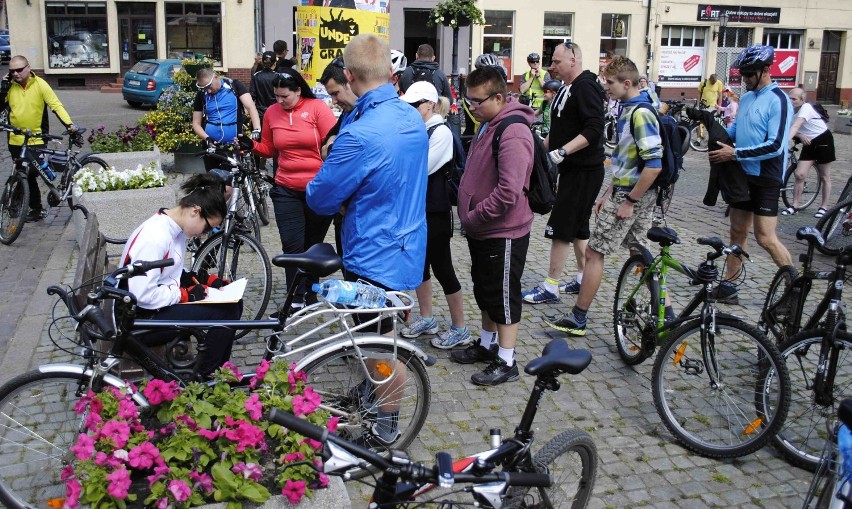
<point x="570" y="45"/>
<point x="476" y="103"/>
<point x="19" y="70"/>
<point x="205" y="87"/>
<point x="418" y="103"/>
<point x="338" y="62"/>
<point x="749" y="74"/>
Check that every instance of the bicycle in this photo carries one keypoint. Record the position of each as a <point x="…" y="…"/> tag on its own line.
<point x="243" y="254"/>
<point x="708" y="363"/>
<point x="830" y="481"/>
<point x="561" y="474"/>
<point x="610" y="129"/>
<point x="14" y="202"/>
<point x="836" y="225"/>
<point x="820" y="366"/>
<point x="37" y="420"/>
<point x="810" y="188"/>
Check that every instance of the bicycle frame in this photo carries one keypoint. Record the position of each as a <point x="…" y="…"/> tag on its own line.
<point x="829" y="351"/>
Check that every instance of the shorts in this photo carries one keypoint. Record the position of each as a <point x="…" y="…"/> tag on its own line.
<point x="610" y="233"/>
<point x="820" y="150"/>
<point x="496" y="267"/>
<point x="575" y="199"/>
<point x="764" y="197"/>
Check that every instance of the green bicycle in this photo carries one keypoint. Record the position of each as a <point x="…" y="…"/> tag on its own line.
<point x="719" y="385"/>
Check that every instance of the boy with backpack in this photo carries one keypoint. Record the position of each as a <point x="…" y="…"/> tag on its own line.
<point x="625" y="210"/>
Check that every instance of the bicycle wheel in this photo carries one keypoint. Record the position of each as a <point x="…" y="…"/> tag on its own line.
<point x="340" y="380"/>
<point x="836" y="229"/>
<point x="810" y="191"/>
<point x="260" y="194"/>
<point x="824" y="480"/>
<point x="725" y="398"/>
<point x="699" y="137"/>
<point x="801" y="438"/>
<point x="610" y="131"/>
<point x="13" y="207"/>
<point x="778" y="306"/>
<point x="243" y="257"/>
<point x="634" y="316"/>
<point x="90" y="161"/>
<point x="38" y="426"/>
<point x="247" y="214"/>
<point x="572" y="459"/>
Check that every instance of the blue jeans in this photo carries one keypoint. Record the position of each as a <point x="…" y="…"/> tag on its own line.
<point x="298" y="226"/>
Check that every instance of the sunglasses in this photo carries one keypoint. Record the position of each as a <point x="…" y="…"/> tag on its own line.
<point x="19" y="70"/>
<point x="476" y="103"/>
<point x="338" y="62"/>
<point x="570" y="45"/>
<point x="418" y="103"/>
<point x="748" y="74"/>
<point x="209" y="83"/>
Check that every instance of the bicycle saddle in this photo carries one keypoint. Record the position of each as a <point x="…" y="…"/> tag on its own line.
<point x="319" y="260"/>
<point x="811" y="234"/>
<point x="663" y="236"/>
<point x="557" y="357"/>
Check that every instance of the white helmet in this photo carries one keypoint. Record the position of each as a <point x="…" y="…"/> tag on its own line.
<point x="398" y="61"/>
<point x="486" y="60"/>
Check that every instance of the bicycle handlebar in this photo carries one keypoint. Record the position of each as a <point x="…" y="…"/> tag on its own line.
<point x="27" y="133"/>
<point x="720" y="248"/>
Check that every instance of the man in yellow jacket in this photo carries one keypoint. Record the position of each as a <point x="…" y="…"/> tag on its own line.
<point x="28" y="97"/>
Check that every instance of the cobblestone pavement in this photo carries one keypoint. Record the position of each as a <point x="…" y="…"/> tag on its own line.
<point x="640" y="463"/>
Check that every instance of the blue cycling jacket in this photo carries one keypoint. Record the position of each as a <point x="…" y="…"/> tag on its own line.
<point x="761" y="131"/>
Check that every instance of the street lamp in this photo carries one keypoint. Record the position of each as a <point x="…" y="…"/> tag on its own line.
<point x="723" y="22"/>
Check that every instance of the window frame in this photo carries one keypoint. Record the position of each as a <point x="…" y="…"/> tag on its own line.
<point x="95" y="26"/>
<point x="503" y="59"/>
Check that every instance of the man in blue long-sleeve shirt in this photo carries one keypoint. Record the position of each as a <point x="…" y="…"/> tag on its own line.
<point x="761" y="132"/>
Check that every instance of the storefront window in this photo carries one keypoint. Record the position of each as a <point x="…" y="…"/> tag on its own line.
<point x="194" y="30"/>
<point x="77" y="34"/>
<point x="614" y="32"/>
<point x="787" y="44"/>
<point x="498" y="37"/>
<point x="557" y="29"/>
<point x="681" y="55"/>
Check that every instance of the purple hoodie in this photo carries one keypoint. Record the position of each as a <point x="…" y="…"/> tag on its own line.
<point x="492" y="203"/>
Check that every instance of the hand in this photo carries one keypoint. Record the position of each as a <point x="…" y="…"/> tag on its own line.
<point x="255" y="134"/>
<point x="210" y="142"/>
<point x="246" y="143"/>
<point x="193" y="293"/>
<point x="555" y="157"/>
<point x="188" y="278"/>
<point x="726" y="153"/>
<point x="625" y="210"/>
<point x="72" y="128"/>
<point x="214" y="281"/>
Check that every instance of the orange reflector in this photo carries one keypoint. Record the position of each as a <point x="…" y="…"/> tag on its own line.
<point x="751" y="428"/>
<point x="56" y="503"/>
<point x="384" y="369"/>
<point x="679" y="354"/>
<point x="638" y="270"/>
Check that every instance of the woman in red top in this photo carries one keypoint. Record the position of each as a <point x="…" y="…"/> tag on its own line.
<point x="293" y="129"/>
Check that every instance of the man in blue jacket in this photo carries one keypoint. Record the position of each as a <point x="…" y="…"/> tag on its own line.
<point x="377" y="172"/>
<point x="760" y="132"/>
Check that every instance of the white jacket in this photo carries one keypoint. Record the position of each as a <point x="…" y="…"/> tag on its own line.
<point x="158" y="238"/>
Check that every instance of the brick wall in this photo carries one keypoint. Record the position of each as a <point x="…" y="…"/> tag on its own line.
<point x="77" y="81"/>
<point x="244" y="75"/>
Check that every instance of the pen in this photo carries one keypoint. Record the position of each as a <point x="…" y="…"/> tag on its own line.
<point x="195" y="280"/>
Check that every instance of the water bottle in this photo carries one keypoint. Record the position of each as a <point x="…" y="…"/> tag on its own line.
<point x="351" y="294"/>
<point x="44" y="166"/>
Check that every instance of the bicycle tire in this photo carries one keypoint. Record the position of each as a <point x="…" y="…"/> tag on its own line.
<point x="572" y="486"/>
<point x="91" y="161"/>
<point x="698" y="142"/>
<point x="261" y="192"/>
<point x="800" y="440"/>
<point x="721" y="419"/>
<point x="256" y="268"/>
<point x="247" y="214"/>
<point x="631" y="319"/>
<point x="38" y="426"/>
<point x="336" y="375"/>
<point x="14" y="205"/>
<point x="610" y="130"/>
<point x="810" y="191"/>
<point x="836" y="235"/>
<point x="777" y="309"/>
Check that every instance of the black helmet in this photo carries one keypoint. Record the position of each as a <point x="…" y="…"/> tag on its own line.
<point x="552" y="85"/>
<point x="533" y="57"/>
<point x="755" y="58"/>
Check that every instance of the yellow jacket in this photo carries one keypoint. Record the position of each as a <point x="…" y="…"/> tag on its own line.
<point x="28" y="107"/>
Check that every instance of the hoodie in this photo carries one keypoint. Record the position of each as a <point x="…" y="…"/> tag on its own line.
<point x="578" y="109"/>
<point x="492" y="202"/>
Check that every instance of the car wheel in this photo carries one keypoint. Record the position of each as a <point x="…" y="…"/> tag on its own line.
<point x="135" y="104"/>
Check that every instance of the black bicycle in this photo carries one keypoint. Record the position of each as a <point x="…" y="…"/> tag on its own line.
<point x="50" y="164"/>
<point x="561" y="474"/>
<point x="836" y="225"/>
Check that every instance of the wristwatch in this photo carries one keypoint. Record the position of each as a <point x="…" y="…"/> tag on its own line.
<point x="631" y="199"/>
<point x="561" y="152"/>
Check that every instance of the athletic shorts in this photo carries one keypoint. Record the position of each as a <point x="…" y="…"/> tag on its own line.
<point x="764" y="197"/>
<point x="821" y="149"/>
<point x="575" y="199"/>
<point x="496" y="267"/>
<point x="611" y="232"/>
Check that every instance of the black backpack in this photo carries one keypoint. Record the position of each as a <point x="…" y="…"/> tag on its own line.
<point x="672" y="142"/>
<point x="422" y="73"/>
<point x="820" y="109"/>
<point x="542" y="191"/>
<point x="454" y="168"/>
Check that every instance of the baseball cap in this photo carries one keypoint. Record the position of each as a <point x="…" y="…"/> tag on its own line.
<point x="269" y="55"/>
<point x="420" y="91"/>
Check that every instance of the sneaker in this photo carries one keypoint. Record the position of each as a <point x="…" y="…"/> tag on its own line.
<point x="420" y="327"/>
<point x="539" y="295"/>
<point x="725" y="294"/>
<point x="566" y="323"/>
<point x="452" y="338"/>
<point x="496" y="373"/>
<point x="36" y="215"/>
<point x="572" y="287"/>
<point x="474" y="353"/>
<point x="386" y="428"/>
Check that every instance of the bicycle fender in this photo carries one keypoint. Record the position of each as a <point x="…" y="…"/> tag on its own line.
<point x="425" y="358"/>
<point x="83" y="155"/>
<point x="647" y="257"/>
<point x="109" y="379"/>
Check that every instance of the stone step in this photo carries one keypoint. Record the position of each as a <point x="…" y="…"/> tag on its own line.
<point x="110" y="90"/>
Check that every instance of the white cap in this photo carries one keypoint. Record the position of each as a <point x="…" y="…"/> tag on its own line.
<point x="419" y="91"/>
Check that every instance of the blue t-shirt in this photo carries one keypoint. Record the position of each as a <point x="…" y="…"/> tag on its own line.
<point x="221" y="110"/>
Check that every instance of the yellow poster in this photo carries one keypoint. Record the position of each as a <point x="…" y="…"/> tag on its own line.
<point x="323" y="32"/>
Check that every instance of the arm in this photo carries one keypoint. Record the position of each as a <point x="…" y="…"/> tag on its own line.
<point x="196" y="125"/>
<point x="339" y="177"/>
<point x="440" y="148"/>
<point x="797" y="124"/>
<point x="248" y="104"/>
<point x="325" y="120"/>
<point x="447" y="92"/>
<point x="515" y="157"/>
<point x="591" y="113"/>
<point x="52" y="102"/>
<point x="525" y="85"/>
<point x="150" y="294"/>
<point x="265" y="146"/>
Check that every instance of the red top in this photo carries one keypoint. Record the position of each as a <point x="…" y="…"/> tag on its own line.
<point x="296" y="136"/>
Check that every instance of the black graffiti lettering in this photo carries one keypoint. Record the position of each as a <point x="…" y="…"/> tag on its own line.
<point x="336" y="31"/>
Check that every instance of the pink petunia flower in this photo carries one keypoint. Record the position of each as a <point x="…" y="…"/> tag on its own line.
<point x="313" y="444"/>
<point x="82" y="404"/>
<point x="93" y="421"/>
<point x="190" y="423"/>
<point x="202" y="480"/>
<point x="294" y="491"/>
<point x="180" y="490"/>
<point x="158" y="391"/>
<point x="159" y="472"/>
<point x="260" y="374"/>
<point x="332" y="424"/>
<point x="208" y="434"/>
<point x="143" y="456"/>
<point x="306" y="403"/>
<point x="229" y="366"/>
<point x="245" y="435"/>
<point x="254" y="407"/>
<point x="72" y="493"/>
<point x="323" y="480"/>
<point x="127" y="410"/>
<point x="119" y="483"/>
<point x="248" y="470"/>
<point x="117" y="431"/>
<point x="84" y="448"/>
<point x="67" y="472"/>
<point x="294" y="456"/>
<point x="163" y="503"/>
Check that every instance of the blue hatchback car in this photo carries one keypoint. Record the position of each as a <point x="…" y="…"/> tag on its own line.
<point x="145" y="81"/>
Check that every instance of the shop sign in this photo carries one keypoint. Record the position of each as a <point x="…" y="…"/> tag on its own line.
<point x="739" y="14"/>
<point x="785" y="68"/>
<point x="680" y="65"/>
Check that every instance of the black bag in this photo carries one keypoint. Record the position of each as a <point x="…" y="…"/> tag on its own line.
<point x="672" y="161"/>
<point x="820" y="109"/>
<point x="542" y="191"/>
<point x="454" y="168"/>
<point x="422" y="74"/>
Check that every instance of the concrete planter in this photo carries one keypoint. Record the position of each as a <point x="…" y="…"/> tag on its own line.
<point x="843" y="124"/>
<point x="186" y="161"/>
<point x="333" y="497"/>
<point x="130" y="160"/>
<point x="120" y="212"/>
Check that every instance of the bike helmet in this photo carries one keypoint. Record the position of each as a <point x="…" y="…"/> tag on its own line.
<point x="533" y="57"/>
<point x="398" y="61"/>
<point x="755" y="58"/>
<point x="486" y="60"/>
<point x="552" y="85"/>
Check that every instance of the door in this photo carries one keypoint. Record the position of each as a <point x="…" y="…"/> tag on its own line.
<point x="829" y="61"/>
<point x="137" y="33"/>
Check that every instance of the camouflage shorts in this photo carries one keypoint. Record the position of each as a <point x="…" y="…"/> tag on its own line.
<point x="609" y="232"/>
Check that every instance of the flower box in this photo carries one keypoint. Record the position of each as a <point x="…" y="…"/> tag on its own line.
<point x="843" y="124"/>
<point x="334" y="496"/>
<point x="132" y="159"/>
<point x="186" y="161"/>
<point x="120" y="212"/>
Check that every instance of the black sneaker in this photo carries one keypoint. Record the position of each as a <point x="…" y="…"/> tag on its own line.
<point x="474" y="353"/>
<point x="496" y="373"/>
<point x="725" y="294"/>
<point x="36" y="215"/>
<point x="566" y="323"/>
